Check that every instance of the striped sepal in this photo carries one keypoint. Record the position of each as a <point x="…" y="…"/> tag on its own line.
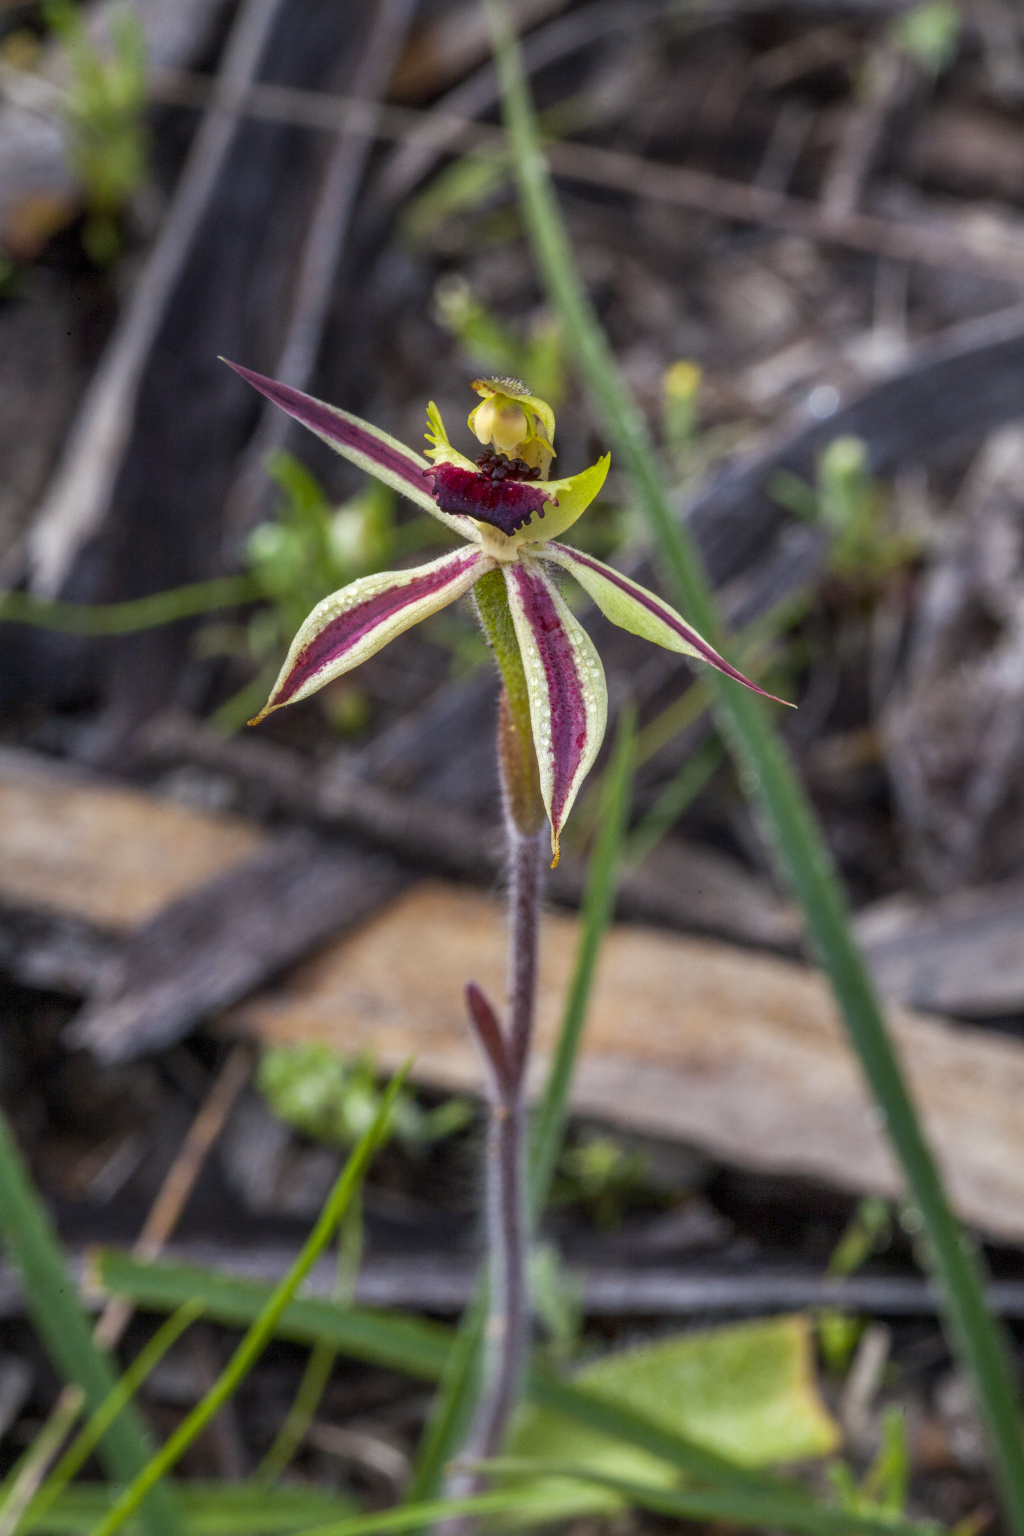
<point x="376" y="452"/>
<point x="632" y="607"/>
<point x="567" y="691"/>
<point x="352" y="625"/>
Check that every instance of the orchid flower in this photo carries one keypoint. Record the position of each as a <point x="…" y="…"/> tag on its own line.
<point x="511" y="519"/>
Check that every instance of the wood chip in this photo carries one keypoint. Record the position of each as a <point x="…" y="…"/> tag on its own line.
<point x="112" y="856"/>
<point x="216" y="944"/>
<point x="963" y="954"/>
<point x="738" y="1053"/>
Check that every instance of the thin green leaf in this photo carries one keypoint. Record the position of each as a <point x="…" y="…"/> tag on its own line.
<point x="411" y="1517"/>
<point x="727" y="1504"/>
<point x="209" y="1509"/>
<point x="768" y="767"/>
<point x="265" y="1325"/>
<point x="52" y="1300"/>
<point x="321" y="1362"/>
<point x="85" y="1442"/>
<point x="398" y="1343"/>
<point x="30" y="1470"/>
<point x="423" y="1350"/>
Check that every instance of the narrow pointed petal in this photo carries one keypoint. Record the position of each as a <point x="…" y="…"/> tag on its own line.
<point x="630" y="606"/>
<point x="352" y="625"/>
<point x="376" y="452"/>
<point x="567" y="691"/>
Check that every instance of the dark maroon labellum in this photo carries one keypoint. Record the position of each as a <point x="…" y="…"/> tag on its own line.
<point x="504" y="504"/>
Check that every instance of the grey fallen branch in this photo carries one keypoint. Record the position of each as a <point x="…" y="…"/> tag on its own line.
<point x="432" y="1283"/>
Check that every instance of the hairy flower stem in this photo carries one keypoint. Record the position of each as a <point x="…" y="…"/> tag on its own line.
<point x="506" y="1053"/>
<point x="508" y="1322"/>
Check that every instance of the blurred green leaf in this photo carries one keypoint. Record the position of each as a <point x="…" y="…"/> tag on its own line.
<point x="930" y="34"/>
<point x="745" y="1392"/>
<point x="491" y="345"/>
<point x="323" y="1095"/>
<point x="108" y="144"/>
<point x="208" y="1509"/>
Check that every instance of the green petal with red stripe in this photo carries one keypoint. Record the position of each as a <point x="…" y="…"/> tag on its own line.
<point x="353" y="624"/>
<point x="630" y="606"/>
<point x="565" y="684"/>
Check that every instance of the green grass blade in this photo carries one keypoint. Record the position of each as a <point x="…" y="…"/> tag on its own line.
<point x="137" y="613"/>
<point x="321" y="1361"/>
<point x="265" y="1326"/>
<point x="52" y="1301"/>
<point x="393" y="1341"/>
<point x="86" y="1441"/>
<point x="423" y="1350"/>
<point x="768" y="768"/>
<point x="452" y="1408"/>
<point x="730" y="1505"/>
<point x="548" y="1129"/>
<point x="209" y="1509"/>
<point x="21" y="1483"/>
<point x="679" y="792"/>
<point x="414" y="1517"/>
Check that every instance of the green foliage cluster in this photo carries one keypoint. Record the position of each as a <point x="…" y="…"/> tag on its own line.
<point x="494" y="347"/>
<point x="103" y="112"/>
<point x="929" y="34"/>
<point x="324" y="1096"/>
<point x="848" y="501"/>
<point x="602" y="1175"/>
<point x="304" y="553"/>
<point x="310" y="549"/>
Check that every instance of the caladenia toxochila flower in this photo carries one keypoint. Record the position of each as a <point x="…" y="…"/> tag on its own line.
<point x="511" y="517"/>
<point x="552" y="715"/>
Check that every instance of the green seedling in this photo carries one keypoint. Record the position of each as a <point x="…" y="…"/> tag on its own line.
<point x="103" y="115"/>
<point x="324" y="1096"/>
<point x="869" y="1232"/>
<point x="929" y="34"/>
<point x="491" y="345"/>
<point x="603" y="1176"/>
<point x="691" y="450"/>
<point x="557" y="1299"/>
<point x="307" y="551"/>
<point x="884" y="1487"/>
<point x="848" y="501"/>
<point x="680" y="388"/>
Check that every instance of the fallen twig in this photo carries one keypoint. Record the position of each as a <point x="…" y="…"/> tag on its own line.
<point x="434" y="1282"/>
<point x="955" y="250"/>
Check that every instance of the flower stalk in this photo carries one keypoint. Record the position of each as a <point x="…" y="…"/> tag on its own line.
<point x="552" y="717"/>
